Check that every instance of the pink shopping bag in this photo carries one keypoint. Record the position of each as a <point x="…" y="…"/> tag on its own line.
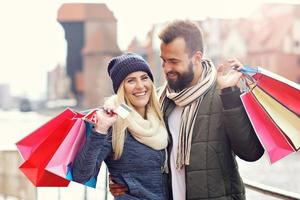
<point x="61" y="162"/>
<point x="68" y="149"/>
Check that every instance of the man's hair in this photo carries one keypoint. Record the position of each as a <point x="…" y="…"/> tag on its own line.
<point x="188" y="30"/>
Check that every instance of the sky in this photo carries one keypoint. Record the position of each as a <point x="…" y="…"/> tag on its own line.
<point x="32" y="41"/>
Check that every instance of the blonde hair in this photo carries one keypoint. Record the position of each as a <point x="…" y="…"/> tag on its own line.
<point x="120" y="126"/>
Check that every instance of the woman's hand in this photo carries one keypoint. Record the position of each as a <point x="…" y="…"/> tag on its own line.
<point x="104" y="119"/>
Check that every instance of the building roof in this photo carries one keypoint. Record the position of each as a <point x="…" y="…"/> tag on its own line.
<point x="74" y="12"/>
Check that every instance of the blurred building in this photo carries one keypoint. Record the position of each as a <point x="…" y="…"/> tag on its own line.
<point x="277" y="41"/>
<point x="149" y="50"/>
<point x="270" y="38"/>
<point x="91" y="35"/>
<point x="5" y="97"/>
<point x="58" y="84"/>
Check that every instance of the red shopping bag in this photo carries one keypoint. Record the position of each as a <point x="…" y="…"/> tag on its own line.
<point x="28" y="144"/>
<point x="271" y="137"/>
<point x="274" y="117"/>
<point x="38" y="148"/>
<point x="280" y="88"/>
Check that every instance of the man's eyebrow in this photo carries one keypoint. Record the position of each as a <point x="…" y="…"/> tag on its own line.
<point x="170" y="59"/>
<point x="173" y="59"/>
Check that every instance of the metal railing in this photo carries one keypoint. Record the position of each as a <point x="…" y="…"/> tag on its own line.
<point x="270" y="191"/>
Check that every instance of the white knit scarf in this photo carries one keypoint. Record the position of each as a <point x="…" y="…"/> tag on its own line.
<point x="150" y="131"/>
<point x="190" y="99"/>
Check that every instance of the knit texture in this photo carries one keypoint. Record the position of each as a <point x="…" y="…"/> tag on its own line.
<point x="119" y="67"/>
<point x="139" y="167"/>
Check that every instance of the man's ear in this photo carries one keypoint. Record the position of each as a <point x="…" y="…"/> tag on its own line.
<point x="198" y="57"/>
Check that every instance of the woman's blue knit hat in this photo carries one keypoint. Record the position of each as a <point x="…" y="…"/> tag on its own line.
<point x="119" y="67"/>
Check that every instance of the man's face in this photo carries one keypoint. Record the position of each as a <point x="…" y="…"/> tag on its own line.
<point x="177" y="66"/>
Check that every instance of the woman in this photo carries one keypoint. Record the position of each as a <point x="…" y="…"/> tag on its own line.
<point x="132" y="148"/>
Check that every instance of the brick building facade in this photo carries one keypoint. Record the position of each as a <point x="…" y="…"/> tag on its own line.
<point x="91" y="35"/>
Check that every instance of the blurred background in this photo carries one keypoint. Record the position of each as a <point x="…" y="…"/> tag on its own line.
<point x="54" y="55"/>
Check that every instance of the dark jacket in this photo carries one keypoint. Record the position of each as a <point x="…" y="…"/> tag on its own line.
<point x="139" y="168"/>
<point x="222" y="130"/>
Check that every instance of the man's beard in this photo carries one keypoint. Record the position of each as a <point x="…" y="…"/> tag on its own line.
<point x="183" y="80"/>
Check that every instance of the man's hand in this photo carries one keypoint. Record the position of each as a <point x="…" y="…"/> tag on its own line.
<point x="232" y="77"/>
<point x="116" y="189"/>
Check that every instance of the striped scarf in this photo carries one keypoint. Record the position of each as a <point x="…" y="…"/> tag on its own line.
<point x="190" y="99"/>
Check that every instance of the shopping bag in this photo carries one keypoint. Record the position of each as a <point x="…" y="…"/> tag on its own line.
<point x="283" y="90"/>
<point x="274" y="117"/>
<point x="68" y="149"/>
<point x="286" y="120"/>
<point x="39" y="147"/>
<point x="28" y="144"/>
<point x="61" y="162"/>
<point x="69" y="176"/>
<point x="270" y="136"/>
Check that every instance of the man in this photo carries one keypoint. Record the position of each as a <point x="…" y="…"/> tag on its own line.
<point x="205" y="118"/>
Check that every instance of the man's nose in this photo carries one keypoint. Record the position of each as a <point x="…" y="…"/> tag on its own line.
<point x="166" y="67"/>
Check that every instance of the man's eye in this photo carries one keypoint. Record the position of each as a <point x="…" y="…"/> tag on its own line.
<point x="145" y="77"/>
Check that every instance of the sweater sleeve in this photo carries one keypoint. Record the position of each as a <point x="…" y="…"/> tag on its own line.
<point x="88" y="161"/>
<point x="243" y="139"/>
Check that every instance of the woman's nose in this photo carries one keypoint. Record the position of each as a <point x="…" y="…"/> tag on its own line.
<point x="139" y="84"/>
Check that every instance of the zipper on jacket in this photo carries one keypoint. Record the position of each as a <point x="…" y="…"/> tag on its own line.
<point x="167" y="109"/>
<point x="164" y="166"/>
<point x="169" y="181"/>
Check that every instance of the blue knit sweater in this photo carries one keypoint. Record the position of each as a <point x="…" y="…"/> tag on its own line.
<point x="139" y="167"/>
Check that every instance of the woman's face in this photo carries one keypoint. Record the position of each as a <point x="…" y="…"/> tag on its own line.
<point x="138" y="86"/>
